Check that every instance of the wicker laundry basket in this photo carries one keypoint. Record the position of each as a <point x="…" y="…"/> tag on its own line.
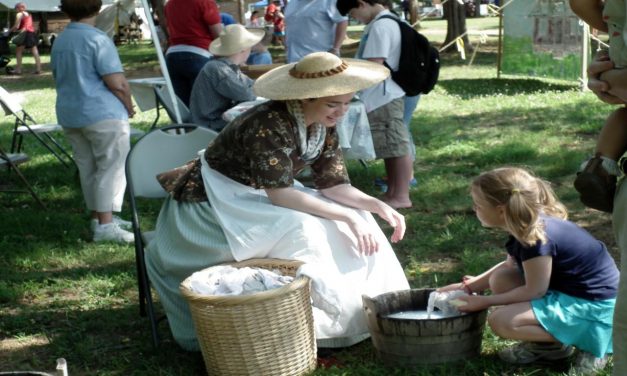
<point x="267" y="333"/>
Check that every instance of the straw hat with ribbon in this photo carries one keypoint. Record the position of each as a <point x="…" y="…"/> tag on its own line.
<point x="235" y="38"/>
<point x="319" y="74"/>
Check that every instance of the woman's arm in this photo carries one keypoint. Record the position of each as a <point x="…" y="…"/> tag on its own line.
<point x="348" y="195"/>
<point x="590" y="11"/>
<point x="340" y="35"/>
<point x="537" y="278"/>
<point x="18" y="19"/>
<point x="301" y="201"/>
<point x="116" y="82"/>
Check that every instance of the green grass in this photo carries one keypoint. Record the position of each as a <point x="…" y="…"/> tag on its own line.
<point x="63" y="296"/>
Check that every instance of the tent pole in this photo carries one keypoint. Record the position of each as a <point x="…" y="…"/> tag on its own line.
<point x="164" y="68"/>
<point x="585" y="52"/>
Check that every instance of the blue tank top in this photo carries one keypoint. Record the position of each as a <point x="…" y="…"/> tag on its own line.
<point x="582" y="265"/>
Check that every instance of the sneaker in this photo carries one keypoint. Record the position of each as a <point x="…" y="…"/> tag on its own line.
<point x="596" y="186"/>
<point x="112" y="232"/>
<point x="529" y="352"/>
<point x="587" y="364"/>
<point x="127" y="225"/>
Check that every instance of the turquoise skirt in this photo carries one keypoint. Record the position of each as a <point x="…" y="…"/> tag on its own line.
<point x="585" y="324"/>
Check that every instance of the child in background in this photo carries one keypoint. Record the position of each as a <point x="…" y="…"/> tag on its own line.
<point x="259" y="53"/>
<point x="556" y="289"/>
<point x="596" y="183"/>
<point x="221" y="84"/>
<point x="254" y="19"/>
<point x="279" y="26"/>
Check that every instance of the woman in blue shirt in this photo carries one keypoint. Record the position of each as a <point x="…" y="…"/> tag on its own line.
<point x="93" y="106"/>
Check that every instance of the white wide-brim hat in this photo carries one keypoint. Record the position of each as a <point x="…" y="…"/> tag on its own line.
<point x="317" y="75"/>
<point x="235" y="38"/>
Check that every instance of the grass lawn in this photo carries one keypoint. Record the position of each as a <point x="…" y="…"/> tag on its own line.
<point x="61" y="295"/>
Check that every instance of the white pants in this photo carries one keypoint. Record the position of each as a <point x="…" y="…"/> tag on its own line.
<point x="100" y="152"/>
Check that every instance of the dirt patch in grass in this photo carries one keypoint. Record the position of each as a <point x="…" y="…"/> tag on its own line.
<point x="21" y="352"/>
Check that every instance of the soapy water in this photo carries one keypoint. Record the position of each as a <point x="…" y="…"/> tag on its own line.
<point x="419" y="315"/>
<point x="445" y="302"/>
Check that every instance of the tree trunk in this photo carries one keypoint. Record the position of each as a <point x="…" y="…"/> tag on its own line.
<point x="413" y="13"/>
<point x="157" y="8"/>
<point x="455" y="14"/>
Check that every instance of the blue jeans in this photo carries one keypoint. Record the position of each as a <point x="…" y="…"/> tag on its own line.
<point x="410" y="106"/>
<point x="183" y="68"/>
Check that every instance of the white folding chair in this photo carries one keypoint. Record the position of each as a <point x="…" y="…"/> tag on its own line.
<point x="25" y="124"/>
<point x="158" y="151"/>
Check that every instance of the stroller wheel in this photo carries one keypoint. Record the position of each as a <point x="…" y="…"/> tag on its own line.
<point x="9" y="70"/>
<point x="4" y="61"/>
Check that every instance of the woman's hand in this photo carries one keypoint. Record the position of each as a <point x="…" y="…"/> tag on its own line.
<point x="350" y="196"/>
<point x="366" y="240"/>
<point x="394" y="218"/>
<point x="600" y="88"/>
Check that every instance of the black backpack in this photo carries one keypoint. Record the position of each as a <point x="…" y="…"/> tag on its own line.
<point x="419" y="65"/>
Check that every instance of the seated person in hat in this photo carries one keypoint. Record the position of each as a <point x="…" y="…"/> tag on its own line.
<point x="239" y="200"/>
<point x="221" y="84"/>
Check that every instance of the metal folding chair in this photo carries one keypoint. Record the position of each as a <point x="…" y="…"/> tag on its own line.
<point x="12" y="160"/>
<point x="164" y="100"/>
<point x="158" y="151"/>
<point x="25" y="124"/>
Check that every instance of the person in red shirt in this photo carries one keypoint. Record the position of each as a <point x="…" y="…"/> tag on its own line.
<point x="279" y="27"/>
<point x="192" y="26"/>
<point x="24" y="23"/>
<point x="269" y="16"/>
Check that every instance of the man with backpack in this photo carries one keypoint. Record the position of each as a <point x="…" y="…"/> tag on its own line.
<point x="381" y="43"/>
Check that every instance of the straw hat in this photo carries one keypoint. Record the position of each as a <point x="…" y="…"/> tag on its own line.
<point x="233" y="39"/>
<point x="319" y="74"/>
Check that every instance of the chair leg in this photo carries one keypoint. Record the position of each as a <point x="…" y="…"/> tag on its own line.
<point x="61" y="149"/>
<point x="146" y="306"/>
<point x="14" y="167"/>
<point x="158" y="107"/>
<point x="16" y="142"/>
<point x="47" y="146"/>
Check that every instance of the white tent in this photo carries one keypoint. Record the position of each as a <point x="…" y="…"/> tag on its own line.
<point x="45" y="5"/>
<point x="118" y="13"/>
<point x="32" y="5"/>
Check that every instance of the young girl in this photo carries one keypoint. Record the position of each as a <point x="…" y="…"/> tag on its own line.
<point x="557" y="287"/>
<point x="596" y="183"/>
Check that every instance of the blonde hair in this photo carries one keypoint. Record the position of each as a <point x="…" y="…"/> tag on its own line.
<point x="523" y="197"/>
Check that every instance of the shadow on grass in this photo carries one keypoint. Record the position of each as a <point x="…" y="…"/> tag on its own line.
<point x="470" y="88"/>
<point x="44" y="335"/>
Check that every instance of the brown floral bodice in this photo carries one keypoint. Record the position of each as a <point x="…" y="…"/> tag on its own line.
<point x="259" y="149"/>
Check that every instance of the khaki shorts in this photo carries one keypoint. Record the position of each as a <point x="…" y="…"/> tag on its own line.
<point x="389" y="133"/>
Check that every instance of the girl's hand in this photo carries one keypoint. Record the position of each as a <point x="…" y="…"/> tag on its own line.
<point x="473" y="303"/>
<point x="451" y="287"/>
